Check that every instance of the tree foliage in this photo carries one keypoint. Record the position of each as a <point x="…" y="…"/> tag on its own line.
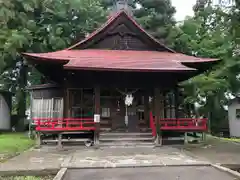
<point x="156" y="16"/>
<point x="209" y="33"/>
<point x="40" y="26"/>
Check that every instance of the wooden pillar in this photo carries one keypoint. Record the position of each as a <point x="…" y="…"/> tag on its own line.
<point x="68" y="113"/>
<point x="146" y="107"/>
<point x="176" y="101"/>
<point x="157" y="113"/>
<point x="165" y="107"/>
<point x="97" y="111"/>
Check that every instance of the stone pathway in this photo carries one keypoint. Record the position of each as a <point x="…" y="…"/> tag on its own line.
<point x="129" y="157"/>
<point x="49" y="158"/>
<point x="152" y="173"/>
<point x="35" y="160"/>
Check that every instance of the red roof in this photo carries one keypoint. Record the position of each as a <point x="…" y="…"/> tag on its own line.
<point x="121" y="60"/>
<point x="77" y="57"/>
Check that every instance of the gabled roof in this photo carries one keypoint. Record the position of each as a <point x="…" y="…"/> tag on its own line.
<point x="109" y="22"/>
<point x="79" y="56"/>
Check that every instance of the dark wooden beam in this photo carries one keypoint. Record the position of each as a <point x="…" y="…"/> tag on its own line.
<point x="157" y="111"/>
<point x="176" y="101"/>
<point x="65" y="99"/>
<point x="97" y="111"/>
<point x="146" y="107"/>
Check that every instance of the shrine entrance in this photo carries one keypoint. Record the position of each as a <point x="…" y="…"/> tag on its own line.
<point x="128" y="112"/>
<point x="121" y="110"/>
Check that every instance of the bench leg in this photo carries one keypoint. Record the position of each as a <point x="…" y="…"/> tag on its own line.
<point x="185" y="138"/>
<point x="59" y="145"/>
<point x="38" y="140"/>
<point x="204" y="136"/>
<point x="96" y="140"/>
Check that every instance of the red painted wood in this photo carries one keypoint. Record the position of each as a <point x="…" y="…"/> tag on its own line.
<point x="152" y="125"/>
<point x="64" y="124"/>
<point x="179" y="124"/>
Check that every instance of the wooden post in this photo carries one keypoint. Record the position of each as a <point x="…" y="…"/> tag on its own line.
<point x="97" y="111"/>
<point x="146" y="107"/>
<point x="157" y="112"/>
<point x="176" y="101"/>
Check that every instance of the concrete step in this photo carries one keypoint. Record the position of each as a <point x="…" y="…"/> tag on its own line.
<point x="65" y="140"/>
<point x="75" y="132"/>
<point x="131" y="139"/>
<point x="124" y="139"/>
<point x="127" y="144"/>
<point x="125" y="134"/>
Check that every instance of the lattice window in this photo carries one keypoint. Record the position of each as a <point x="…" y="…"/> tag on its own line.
<point x="81" y="103"/>
<point x="47" y="108"/>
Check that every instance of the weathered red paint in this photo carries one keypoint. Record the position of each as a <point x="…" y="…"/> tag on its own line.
<point x="152" y="125"/>
<point x="95" y="59"/>
<point x="64" y="124"/>
<point x="179" y="124"/>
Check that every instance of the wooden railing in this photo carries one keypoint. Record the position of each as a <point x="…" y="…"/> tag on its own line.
<point x="179" y="124"/>
<point x="64" y="124"/>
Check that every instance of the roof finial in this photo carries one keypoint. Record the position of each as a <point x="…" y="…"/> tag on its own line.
<point x="122" y="5"/>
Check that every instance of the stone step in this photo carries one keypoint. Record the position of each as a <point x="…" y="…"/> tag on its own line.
<point x="127" y="144"/>
<point x="123" y="130"/>
<point x="122" y="139"/>
<point x="126" y="139"/>
<point x="74" y="132"/>
<point x="65" y="140"/>
<point x="124" y="134"/>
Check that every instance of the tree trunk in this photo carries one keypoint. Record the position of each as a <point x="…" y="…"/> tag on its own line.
<point x="21" y="97"/>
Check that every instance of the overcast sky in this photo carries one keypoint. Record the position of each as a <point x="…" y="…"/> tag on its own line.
<point x="183" y="8"/>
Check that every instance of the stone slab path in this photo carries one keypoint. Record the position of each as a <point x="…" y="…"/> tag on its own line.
<point x="129" y="157"/>
<point x="49" y="158"/>
<point x="46" y="158"/>
<point x="153" y="173"/>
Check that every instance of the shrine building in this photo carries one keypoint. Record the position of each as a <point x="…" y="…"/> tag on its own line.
<point x="119" y="80"/>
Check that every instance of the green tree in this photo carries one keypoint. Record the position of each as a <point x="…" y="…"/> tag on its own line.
<point x="40" y="26"/>
<point x="156" y="16"/>
<point x="207" y="34"/>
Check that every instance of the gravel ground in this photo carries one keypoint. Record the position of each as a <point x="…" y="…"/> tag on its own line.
<point x="216" y="151"/>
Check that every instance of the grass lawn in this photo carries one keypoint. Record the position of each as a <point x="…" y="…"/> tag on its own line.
<point x="232" y="139"/>
<point x="12" y="144"/>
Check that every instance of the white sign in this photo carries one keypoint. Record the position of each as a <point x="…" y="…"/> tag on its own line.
<point x="128" y="99"/>
<point x="96" y="118"/>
